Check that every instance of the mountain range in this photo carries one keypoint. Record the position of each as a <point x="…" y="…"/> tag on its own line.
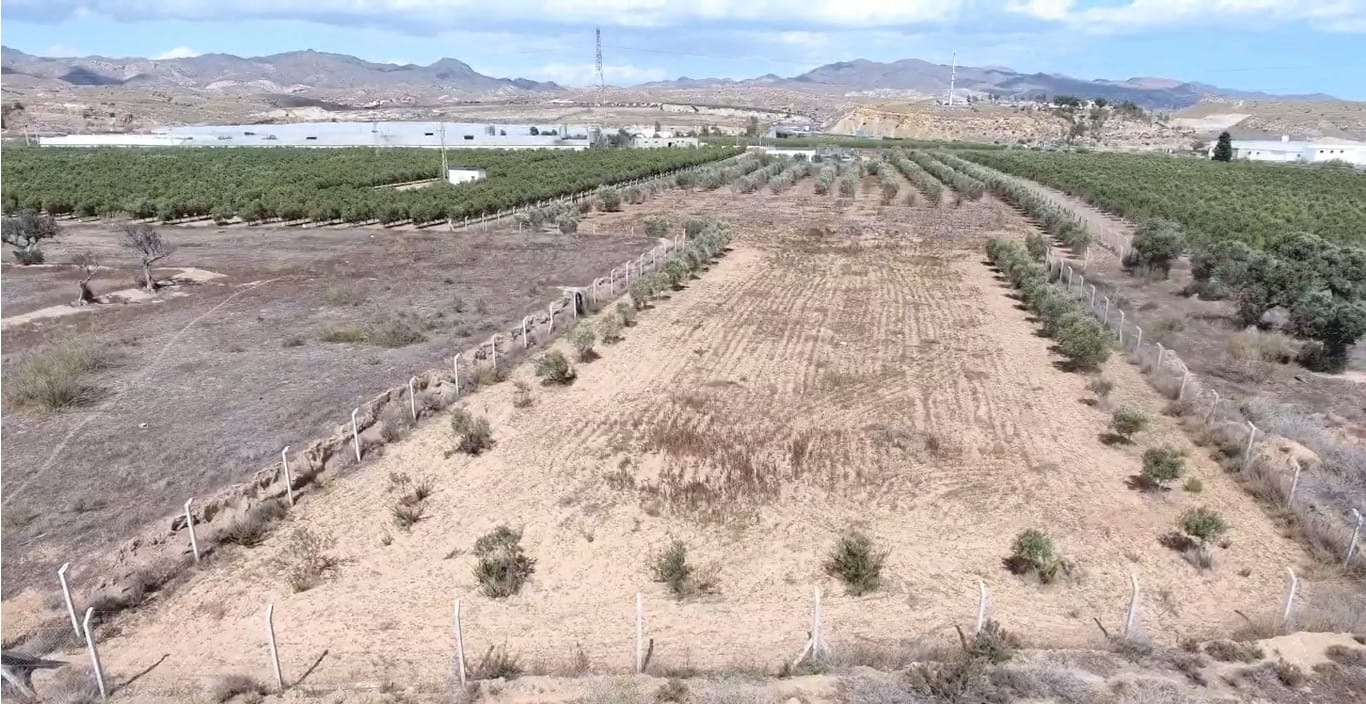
<point x="347" y="79"/>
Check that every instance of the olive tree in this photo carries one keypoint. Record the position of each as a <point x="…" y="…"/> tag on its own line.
<point x="86" y="263"/>
<point x="1156" y="243"/>
<point x="24" y="231"/>
<point x="1334" y="323"/>
<point x="149" y="248"/>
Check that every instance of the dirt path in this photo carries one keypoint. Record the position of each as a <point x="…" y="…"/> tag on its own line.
<point x="857" y="366"/>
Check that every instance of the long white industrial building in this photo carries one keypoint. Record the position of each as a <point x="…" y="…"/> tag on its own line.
<point x="1296" y="152"/>
<point x="452" y="135"/>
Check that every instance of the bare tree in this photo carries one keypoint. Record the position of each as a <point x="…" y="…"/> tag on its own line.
<point x="24" y="231"/>
<point x="87" y="263"/>
<point x="150" y="248"/>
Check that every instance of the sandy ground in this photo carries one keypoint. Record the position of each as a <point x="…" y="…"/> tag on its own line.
<point x="854" y="366"/>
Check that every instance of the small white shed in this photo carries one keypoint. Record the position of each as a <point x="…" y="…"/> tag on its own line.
<point x="457" y="175"/>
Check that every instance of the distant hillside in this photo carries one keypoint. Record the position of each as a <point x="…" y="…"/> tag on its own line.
<point x="290" y="72"/>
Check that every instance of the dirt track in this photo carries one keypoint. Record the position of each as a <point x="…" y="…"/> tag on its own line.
<point x="850" y="366"/>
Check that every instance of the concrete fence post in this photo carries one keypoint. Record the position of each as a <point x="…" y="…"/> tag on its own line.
<point x="550" y="327"/>
<point x="981" y="606"/>
<point x="1093" y="297"/>
<point x="1138" y="346"/>
<point x="455" y="367"/>
<point x="526" y="340"/>
<point x="71" y="608"/>
<point x="1290" y="591"/>
<point x="1251" y="435"/>
<point x="1294" y="483"/>
<point x="355" y="433"/>
<point x="1132" y="613"/>
<point x="1181" y="392"/>
<point x="1161" y="355"/>
<point x="94" y="653"/>
<point x="1351" y="546"/>
<point x="412" y="398"/>
<point x="493" y="349"/>
<point x="274" y="651"/>
<point x="1121" y="329"/>
<point x="289" y="478"/>
<point x="189" y="523"/>
<point x="1106" y="317"/>
<point x="640" y="636"/>
<point x="459" y="644"/>
<point x="1210" y="413"/>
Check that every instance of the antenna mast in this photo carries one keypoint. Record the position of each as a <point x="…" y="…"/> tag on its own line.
<point x="953" y="74"/>
<point x="597" y="63"/>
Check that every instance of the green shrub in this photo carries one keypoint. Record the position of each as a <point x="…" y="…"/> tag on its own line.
<point x="610" y="329"/>
<point x="671" y="567"/>
<point x="553" y="368"/>
<point x="1083" y="341"/>
<point x="472" y="433"/>
<point x="582" y="337"/>
<point x="626" y="313"/>
<point x="501" y="567"/>
<point x="1033" y="551"/>
<point x="1193" y="485"/>
<point x="609" y="199"/>
<point x="1162" y="466"/>
<point x="641" y="292"/>
<point x="1156" y="243"/>
<point x="1203" y="524"/>
<point x="568" y="224"/>
<point x="1101" y="387"/>
<point x="857" y="563"/>
<point x="656" y="226"/>
<point x="1127" y="421"/>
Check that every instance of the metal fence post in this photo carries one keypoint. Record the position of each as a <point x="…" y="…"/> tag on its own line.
<point x="71" y="608"/>
<point x="640" y="636"/>
<point x="1133" y="606"/>
<point x="459" y="645"/>
<point x="412" y="399"/>
<point x="1356" y="533"/>
<point x="1289" y="596"/>
<point x="274" y="651"/>
<point x="289" y="478"/>
<point x="981" y="606"/>
<point x="189" y="523"/>
<point x="355" y="433"/>
<point x="94" y="654"/>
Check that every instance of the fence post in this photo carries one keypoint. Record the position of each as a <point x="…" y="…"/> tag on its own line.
<point x="525" y="340"/>
<point x="455" y="365"/>
<point x="1106" y="317"/>
<point x="412" y="398"/>
<point x="289" y="478"/>
<point x="355" y="433"/>
<point x="1121" y="328"/>
<point x="1294" y="483"/>
<point x="1289" y="596"/>
<point x="1138" y="346"/>
<point x="1181" y="392"/>
<point x="1133" y="606"/>
<point x="459" y="644"/>
<point x="71" y="608"/>
<point x="1351" y="547"/>
<point x="274" y="652"/>
<point x="1251" y="435"/>
<point x="640" y="636"/>
<point x="1093" y="297"/>
<point x="189" y="523"/>
<point x="551" y="327"/>
<point x="981" y="606"/>
<point x="817" y="638"/>
<point x="94" y="653"/>
<point x="493" y="348"/>
<point x="1161" y="355"/>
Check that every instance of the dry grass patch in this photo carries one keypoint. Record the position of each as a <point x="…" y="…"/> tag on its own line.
<point x="305" y="561"/>
<point x="226" y="687"/>
<point x="54" y="378"/>
<point x="341" y="333"/>
<point x="671" y="567"/>
<point x="472" y="433"/>
<point x="250" y="529"/>
<point x="1251" y="355"/>
<point x="1229" y="651"/>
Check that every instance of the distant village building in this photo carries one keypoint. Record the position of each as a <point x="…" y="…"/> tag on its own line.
<point x="1297" y="152"/>
<point x="644" y="142"/>
<point x="451" y="135"/>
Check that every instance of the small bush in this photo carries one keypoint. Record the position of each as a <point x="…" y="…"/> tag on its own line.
<point x="498" y="663"/>
<point x="1082" y="339"/>
<point x="857" y="563"/>
<point x="394" y="331"/>
<point x="610" y="330"/>
<point x="472" y="433"/>
<point x="1101" y="387"/>
<point x="342" y="333"/>
<point x="502" y="568"/>
<point x="1203" y="524"/>
<point x="553" y="368"/>
<point x="1193" y="485"/>
<point x="406" y="514"/>
<point x="993" y="643"/>
<point x="656" y="226"/>
<point x="1229" y="651"/>
<point x="568" y="224"/>
<point x="305" y="560"/>
<point x="249" y="529"/>
<point x="521" y="396"/>
<point x="26" y="257"/>
<point x="671" y="567"/>
<point x="641" y="291"/>
<point x="609" y="199"/>
<point x="53" y="378"/>
<point x="226" y="687"/>
<point x="1127" y="421"/>
<point x="1162" y="466"/>
<point x="582" y="337"/>
<point x="1033" y="551"/>
<point x="626" y="312"/>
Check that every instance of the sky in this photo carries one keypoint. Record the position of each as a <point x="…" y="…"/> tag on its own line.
<point x="1281" y="46"/>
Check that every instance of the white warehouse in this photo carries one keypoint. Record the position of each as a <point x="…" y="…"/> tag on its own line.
<point x="1295" y="152"/>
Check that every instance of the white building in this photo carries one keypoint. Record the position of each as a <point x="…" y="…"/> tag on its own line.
<point x="451" y="135"/>
<point x="642" y="142"/>
<point x="463" y="174"/>
<point x="1295" y="152"/>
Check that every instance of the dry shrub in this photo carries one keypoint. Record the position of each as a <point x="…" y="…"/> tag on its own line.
<point x="344" y="295"/>
<point x="394" y="424"/>
<point x="553" y="368"/>
<point x="582" y="337"/>
<point x="1345" y="655"/>
<point x="610" y="330"/>
<point x="406" y="515"/>
<point x="72" y="685"/>
<point x="502" y="567"/>
<point x="472" y="433"/>
<point x="53" y="378"/>
<point x="671" y="567"/>
<point x="1165" y="329"/>
<point x="626" y="313"/>
<point x="249" y="529"/>
<point x="394" y="331"/>
<point x="498" y="663"/>
<point x="1289" y="674"/>
<point x="342" y="333"/>
<point x="856" y="562"/>
<point x="1252" y="354"/>
<point x="304" y="561"/>
<point x="226" y="687"/>
<point x="1033" y="551"/>
<point x="1229" y="651"/>
<point x="1100" y="386"/>
<point x="673" y="690"/>
<point x="521" y="396"/>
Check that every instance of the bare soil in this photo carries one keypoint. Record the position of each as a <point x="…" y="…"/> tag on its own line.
<point x="847" y="365"/>
<point x="211" y="379"/>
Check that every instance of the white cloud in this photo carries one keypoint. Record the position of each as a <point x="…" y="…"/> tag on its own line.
<point x="1332" y="15"/>
<point x="587" y="74"/>
<point x="64" y="51"/>
<point x="180" y="52"/>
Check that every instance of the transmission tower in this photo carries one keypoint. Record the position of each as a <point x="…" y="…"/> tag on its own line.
<point x="953" y="74"/>
<point x="597" y="62"/>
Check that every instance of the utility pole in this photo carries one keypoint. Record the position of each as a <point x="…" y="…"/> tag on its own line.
<point x="445" y="169"/>
<point x="953" y="74"/>
<point x="602" y="84"/>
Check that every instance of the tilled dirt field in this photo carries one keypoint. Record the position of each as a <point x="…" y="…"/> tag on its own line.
<point x="847" y="365"/>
